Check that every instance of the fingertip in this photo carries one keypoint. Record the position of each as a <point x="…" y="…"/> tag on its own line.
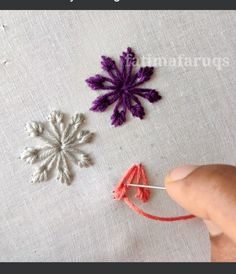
<point x="180" y="173"/>
<point x="177" y="188"/>
<point x="176" y="175"/>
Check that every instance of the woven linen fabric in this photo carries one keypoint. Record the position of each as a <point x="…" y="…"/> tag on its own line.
<point x="45" y="58"/>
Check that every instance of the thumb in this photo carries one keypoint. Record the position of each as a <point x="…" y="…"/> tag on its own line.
<point x="209" y="192"/>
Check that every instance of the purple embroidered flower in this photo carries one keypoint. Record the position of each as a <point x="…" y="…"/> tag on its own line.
<point x="122" y="84"/>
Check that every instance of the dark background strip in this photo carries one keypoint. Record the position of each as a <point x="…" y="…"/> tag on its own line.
<point x="116" y="4"/>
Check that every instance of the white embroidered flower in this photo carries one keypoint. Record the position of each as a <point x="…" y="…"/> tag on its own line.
<point x="62" y="147"/>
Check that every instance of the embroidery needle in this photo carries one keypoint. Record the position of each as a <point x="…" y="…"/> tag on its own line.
<point x="148" y="186"/>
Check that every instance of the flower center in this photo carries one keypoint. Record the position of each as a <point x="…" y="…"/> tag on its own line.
<point x="124" y="88"/>
<point x="60" y="146"/>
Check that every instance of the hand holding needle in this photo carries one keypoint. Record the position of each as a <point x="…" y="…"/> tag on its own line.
<point x="209" y="192"/>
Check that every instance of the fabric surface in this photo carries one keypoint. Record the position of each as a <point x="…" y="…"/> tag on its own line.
<point x="45" y="58"/>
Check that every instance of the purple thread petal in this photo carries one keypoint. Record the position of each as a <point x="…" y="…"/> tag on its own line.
<point x="107" y="63"/>
<point x="131" y="56"/>
<point x="137" y="110"/>
<point x="150" y="94"/>
<point x="143" y="75"/>
<point x="96" y="82"/>
<point x="119" y="117"/>
<point x="103" y="102"/>
<point x="127" y="60"/>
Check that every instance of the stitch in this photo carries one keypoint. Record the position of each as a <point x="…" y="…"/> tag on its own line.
<point x="3" y="26"/>
<point x="5" y="62"/>
<point x="137" y="174"/>
<point x="62" y="147"/>
<point x="122" y="86"/>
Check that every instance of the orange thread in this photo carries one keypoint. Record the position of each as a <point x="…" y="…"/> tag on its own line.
<point x="136" y="174"/>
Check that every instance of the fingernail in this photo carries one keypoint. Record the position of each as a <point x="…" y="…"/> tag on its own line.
<point x="180" y="173"/>
<point x="213" y="229"/>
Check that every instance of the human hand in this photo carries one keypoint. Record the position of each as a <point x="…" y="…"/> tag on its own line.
<point x="209" y="192"/>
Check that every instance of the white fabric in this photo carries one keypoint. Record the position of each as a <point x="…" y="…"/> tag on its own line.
<point x="45" y="58"/>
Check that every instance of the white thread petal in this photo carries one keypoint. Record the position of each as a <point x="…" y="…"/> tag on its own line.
<point x="64" y="176"/>
<point x="56" y="117"/>
<point x="62" y="147"/>
<point x="34" y="129"/>
<point x="84" y="136"/>
<point x="40" y="175"/>
<point x="30" y="155"/>
<point x="78" y="119"/>
<point x="84" y="160"/>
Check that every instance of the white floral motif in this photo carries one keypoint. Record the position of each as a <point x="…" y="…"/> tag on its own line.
<point x="61" y="148"/>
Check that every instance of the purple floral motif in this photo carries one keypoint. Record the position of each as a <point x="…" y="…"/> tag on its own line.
<point x="122" y="86"/>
